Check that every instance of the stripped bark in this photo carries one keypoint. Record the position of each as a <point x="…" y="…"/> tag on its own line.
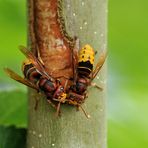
<point x="52" y="37"/>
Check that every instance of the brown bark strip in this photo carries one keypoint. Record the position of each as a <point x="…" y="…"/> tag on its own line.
<point x="47" y="37"/>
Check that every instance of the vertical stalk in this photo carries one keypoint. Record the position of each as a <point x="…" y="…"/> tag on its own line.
<point x="87" y="21"/>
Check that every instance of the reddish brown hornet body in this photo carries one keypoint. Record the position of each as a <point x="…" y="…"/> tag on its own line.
<point x="51" y="88"/>
<point x="36" y="77"/>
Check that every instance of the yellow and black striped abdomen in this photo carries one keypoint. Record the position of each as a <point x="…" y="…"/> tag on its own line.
<point x="30" y="72"/>
<point x="86" y="60"/>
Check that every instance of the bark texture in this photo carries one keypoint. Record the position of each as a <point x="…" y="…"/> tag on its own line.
<point x="87" y="21"/>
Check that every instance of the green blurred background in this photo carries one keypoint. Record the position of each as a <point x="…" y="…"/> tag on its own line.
<point x="127" y="64"/>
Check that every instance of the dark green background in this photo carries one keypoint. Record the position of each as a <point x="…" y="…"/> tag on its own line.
<point x="127" y="74"/>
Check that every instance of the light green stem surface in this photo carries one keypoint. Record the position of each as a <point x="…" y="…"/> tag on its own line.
<point x="86" y="19"/>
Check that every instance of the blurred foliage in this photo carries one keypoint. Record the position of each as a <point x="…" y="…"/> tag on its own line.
<point x="11" y="137"/>
<point x="127" y="63"/>
<point x="13" y="33"/>
<point x="13" y="108"/>
<point x="128" y="81"/>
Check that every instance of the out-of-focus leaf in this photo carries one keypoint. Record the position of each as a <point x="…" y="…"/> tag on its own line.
<point x="13" y="108"/>
<point x="127" y="120"/>
<point x="13" y="33"/>
<point x="128" y="74"/>
<point x="12" y="137"/>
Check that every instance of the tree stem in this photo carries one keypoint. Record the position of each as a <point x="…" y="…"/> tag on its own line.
<point x="87" y="21"/>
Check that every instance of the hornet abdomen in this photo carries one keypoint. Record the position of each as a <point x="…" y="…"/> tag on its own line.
<point x="30" y="72"/>
<point x="85" y="61"/>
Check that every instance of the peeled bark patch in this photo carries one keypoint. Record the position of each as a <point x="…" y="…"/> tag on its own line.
<point x="54" y="50"/>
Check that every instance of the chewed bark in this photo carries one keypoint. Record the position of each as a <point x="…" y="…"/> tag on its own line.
<point x="54" y="50"/>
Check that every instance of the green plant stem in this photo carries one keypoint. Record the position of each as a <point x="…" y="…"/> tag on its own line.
<point x="87" y="21"/>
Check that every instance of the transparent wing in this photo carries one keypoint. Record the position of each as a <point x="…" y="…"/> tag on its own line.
<point x="100" y="63"/>
<point x="18" y="78"/>
<point x="35" y="61"/>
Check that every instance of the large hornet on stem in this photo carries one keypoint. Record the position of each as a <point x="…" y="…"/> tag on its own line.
<point x="83" y="74"/>
<point x="37" y="78"/>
